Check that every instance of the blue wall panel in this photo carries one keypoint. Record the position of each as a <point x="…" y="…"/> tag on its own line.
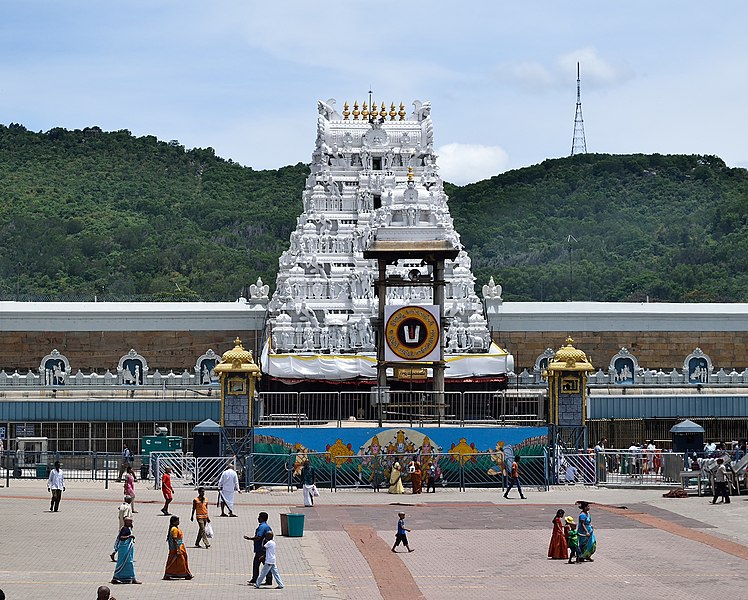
<point x="126" y="411"/>
<point x="638" y="407"/>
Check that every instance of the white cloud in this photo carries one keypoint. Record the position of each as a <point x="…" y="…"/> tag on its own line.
<point x="596" y="72"/>
<point x="468" y="163"/>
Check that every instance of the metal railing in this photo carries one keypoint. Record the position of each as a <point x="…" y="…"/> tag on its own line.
<point x="457" y="469"/>
<point x="507" y="408"/>
<point x="618" y="467"/>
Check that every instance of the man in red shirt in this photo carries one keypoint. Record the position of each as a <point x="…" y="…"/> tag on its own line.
<point x="514" y="479"/>
<point x="167" y="490"/>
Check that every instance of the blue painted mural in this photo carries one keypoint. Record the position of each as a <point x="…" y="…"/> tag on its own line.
<point x="398" y="440"/>
<point x="355" y="456"/>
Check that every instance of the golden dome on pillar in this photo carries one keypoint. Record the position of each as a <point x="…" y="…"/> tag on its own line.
<point x="237" y="360"/>
<point x="569" y="358"/>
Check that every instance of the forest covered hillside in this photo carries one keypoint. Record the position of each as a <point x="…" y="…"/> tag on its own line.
<point x="89" y="213"/>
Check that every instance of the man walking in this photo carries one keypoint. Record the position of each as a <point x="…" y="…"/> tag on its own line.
<point x="126" y="461"/>
<point x="56" y="485"/>
<point x="123" y="512"/>
<point x="514" y="479"/>
<point x="227" y="485"/>
<point x="721" y="487"/>
<point x="259" y="549"/>
<point x="200" y="509"/>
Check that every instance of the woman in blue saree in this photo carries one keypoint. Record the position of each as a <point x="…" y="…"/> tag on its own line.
<point x="587" y="540"/>
<point x="124" y="572"/>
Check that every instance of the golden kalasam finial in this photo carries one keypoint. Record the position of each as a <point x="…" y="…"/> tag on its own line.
<point x="365" y="111"/>
<point x="410" y="173"/>
<point x="383" y="112"/>
<point x="346" y="112"/>
<point x="238" y="342"/>
<point x="402" y="112"/>
<point x="356" y="112"/>
<point x="393" y="112"/>
<point x="374" y="112"/>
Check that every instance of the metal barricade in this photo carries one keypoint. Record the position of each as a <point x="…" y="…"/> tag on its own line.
<point x="359" y="406"/>
<point x="183" y="468"/>
<point x="416" y="407"/>
<point x="573" y="468"/>
<point x="319" y="407"/>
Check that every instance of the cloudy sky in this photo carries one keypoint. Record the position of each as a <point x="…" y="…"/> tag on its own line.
<point x="244" y="77"/>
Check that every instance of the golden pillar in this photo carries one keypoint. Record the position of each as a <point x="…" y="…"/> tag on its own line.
<point x="567" y="386"/>
<point x="238" y="375"/>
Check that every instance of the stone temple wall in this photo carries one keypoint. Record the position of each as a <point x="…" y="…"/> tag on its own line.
<point x="101" y="350"/>
<point x="178" y="350"/>
<point x="653" y="349"/>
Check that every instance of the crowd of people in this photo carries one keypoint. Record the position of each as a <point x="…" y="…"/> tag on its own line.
<point x="177" y="563"/>
<point x="416" y="473"/>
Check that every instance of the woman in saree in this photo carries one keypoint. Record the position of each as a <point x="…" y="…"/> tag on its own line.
<point x="124" y="572"/>
<point x="415" y="477"/>
<point x="587" y="540"/>
<point x="396" y="480"/>
<point x="176" y="564"/>
<point x="558" y="548"/>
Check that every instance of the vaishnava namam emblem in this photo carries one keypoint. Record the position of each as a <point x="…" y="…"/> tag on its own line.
<point x="412" y="333"/>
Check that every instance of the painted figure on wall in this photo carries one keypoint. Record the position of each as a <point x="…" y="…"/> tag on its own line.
<point x="371" y="467"/>
<point x="498" y="457"/>
<point x="302" y="454"/>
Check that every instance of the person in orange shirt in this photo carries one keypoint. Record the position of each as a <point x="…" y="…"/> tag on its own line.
<point x="167" y="490"/>
<point x="514" y="479"/>
<point x="200" y="509"/>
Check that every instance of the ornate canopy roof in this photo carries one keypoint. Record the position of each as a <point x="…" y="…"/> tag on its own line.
<point x="569" y="358"/>
<point x="237" y="360"/>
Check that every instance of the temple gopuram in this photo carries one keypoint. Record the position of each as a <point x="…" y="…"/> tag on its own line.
<point x="371" y="168"/>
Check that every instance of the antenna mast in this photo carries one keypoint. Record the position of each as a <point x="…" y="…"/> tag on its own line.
<point x="578" y="143"/>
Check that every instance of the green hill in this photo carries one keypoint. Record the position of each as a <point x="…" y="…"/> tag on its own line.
<point x="88" y="212"/>
<point x="671" y="228"/>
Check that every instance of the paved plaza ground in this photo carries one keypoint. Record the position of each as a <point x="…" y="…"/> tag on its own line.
<point x="471" y="545"/>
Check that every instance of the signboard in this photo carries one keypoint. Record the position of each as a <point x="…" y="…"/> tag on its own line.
<point x="411" y="333"/>
<point x="25" y="431"/>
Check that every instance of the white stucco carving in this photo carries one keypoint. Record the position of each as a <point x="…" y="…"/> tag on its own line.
<point x="366" y="175"/>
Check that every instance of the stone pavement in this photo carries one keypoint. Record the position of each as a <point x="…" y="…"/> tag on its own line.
<point x="474" y="545"/>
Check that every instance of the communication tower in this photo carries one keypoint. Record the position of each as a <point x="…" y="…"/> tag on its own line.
<point x="578" y="144"/>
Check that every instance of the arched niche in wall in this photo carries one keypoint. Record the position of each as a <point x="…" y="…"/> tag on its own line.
<point x="54" y="368"/>
<point x="541" y="362"/>
<point x="132" y="369"/>
<point x="204" y="368"/>
<point x="624" y="367"/>
<point x="697" y="367"/>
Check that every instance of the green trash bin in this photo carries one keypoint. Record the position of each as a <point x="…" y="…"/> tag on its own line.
<point x="295" y="525"/>
<point x="41" y="471"/>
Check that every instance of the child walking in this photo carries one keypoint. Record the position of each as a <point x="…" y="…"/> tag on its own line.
<point x="401" y="535"/>
<point x="270" y="563"/>
<point x="572" y="539"/>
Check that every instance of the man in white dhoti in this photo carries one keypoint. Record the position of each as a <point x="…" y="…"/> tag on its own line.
<point x="227" y="485"/>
